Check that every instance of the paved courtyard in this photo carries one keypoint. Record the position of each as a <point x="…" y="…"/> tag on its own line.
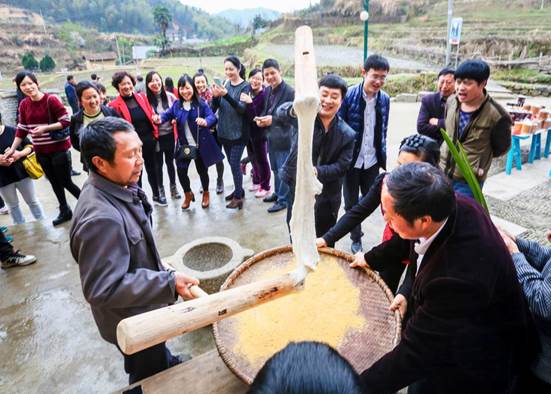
<point x="48" y="339"/>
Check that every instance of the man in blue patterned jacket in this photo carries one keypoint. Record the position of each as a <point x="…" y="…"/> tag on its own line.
<point x="365" y="109"/>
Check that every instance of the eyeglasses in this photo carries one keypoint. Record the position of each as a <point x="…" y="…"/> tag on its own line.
<point x="380" y="78"/>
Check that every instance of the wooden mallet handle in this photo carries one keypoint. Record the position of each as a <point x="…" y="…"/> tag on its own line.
<point x="151" y="328"/>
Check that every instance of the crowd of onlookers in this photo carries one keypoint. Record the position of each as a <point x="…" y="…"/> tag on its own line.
<point x="426" y="202"/>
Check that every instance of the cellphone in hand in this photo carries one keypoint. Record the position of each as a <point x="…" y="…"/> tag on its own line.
<point x="217" y="81"/>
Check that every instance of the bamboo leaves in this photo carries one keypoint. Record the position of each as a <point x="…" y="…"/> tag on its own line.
<point x="462" y="162"/>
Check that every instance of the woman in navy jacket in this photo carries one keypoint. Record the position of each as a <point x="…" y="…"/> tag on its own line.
<point x="193" y="118"/>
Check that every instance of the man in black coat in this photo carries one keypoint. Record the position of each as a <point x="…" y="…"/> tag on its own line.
<point x="467" y="328"/>
<point x="332" y="150"/>
<point x="433" y="106"/>
<point x="278" y="130"/>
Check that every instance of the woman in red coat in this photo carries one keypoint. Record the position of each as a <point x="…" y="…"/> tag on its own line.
<point x="135" y="108"/>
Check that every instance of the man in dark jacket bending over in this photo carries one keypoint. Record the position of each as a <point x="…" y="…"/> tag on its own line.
<point x="332" y="151"/>
<point x="111" y="240"/>
<point x="467" y="325"/>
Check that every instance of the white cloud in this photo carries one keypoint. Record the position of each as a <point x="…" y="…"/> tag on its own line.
<point x="214" y="6"/>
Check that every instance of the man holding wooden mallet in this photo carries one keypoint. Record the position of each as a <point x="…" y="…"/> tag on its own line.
<point x="111" y="240"/>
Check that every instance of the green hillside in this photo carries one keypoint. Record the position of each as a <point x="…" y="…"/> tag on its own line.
<point x="127" y="16"/>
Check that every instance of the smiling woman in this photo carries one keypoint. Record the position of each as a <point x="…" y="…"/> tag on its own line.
<point x="91" y="109"/>
<point x="40" y="115"/>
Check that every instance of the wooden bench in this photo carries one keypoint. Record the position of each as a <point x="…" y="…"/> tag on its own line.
<point x="205" y="374"/>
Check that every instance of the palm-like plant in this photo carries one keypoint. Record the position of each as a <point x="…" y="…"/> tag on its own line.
<point x="462" y="162"/>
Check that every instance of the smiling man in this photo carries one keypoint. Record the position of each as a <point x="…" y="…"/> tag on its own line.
<point x="366" y="108"/>
<point x="477" y="121"/>
<point x="278" y="131"/>
<point x="332" y="149"/>
<point x="433" y="106"/>
<point x="466" y="329"/>
<point x="111" y="240"/>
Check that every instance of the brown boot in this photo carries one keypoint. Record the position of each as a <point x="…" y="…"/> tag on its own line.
<point x="188" y="198"/>
<point x="206" y="200"/>
<point x="235" y="203"/>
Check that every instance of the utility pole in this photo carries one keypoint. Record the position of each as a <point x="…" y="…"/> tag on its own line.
<point x="364" y="16"/>
<point x="448" y="44"/>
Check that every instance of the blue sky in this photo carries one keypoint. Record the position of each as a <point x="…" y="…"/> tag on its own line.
<point x="214" y="6"/>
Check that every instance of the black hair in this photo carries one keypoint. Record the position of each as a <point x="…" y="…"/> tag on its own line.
<point x="270" y="63"/>
<point x="69" y="77"/>
<point x="119" y="76"/>
<point x="101" y="87"/>
<point x="446" y="71"/>
<point x="182" y="82"/>
<point x="169" y="84"/>
<point x="200" y="73"/>
<point x="151" y="97"/>
<point x="139" y="78"/>
<point x="473" y="69"/>
<point x="237" y="63"/>
<point x="306" y="368"/>
<point x="334" y="81"/>
<point x="422" y="146"/>
<point x="96" y="139"/>
<point x="420" y="189"/>
<point x="21" y="75"/>
<point x="94" y="77"/>
<point x="254" y="71"/>
<point x="83" y="85"/>
<point x="376" y="62"/>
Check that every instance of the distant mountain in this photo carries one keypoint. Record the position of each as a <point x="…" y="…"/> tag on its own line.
<point x="128" y="16"/>
<point x="244" y="17"/>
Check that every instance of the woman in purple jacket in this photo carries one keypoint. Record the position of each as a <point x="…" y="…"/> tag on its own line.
<point x="193" y="118"/>
<point x="257" y="147"/>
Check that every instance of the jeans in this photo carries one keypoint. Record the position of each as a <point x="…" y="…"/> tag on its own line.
<point x="6" y="250"/>
<point x="257" y="152"/>
<point x="357" y="180"/>
<point x="166" y="145"/>
<point x="201" y="170"/>
<point x="233" y="154"/>
<point x="281" y="189"/>
<point x="150" y="162"/>
<point x="146" y="363"/>
<point x="57" y="167"/>
<point x="464" y="188"/>
<point x="26" y="188"/>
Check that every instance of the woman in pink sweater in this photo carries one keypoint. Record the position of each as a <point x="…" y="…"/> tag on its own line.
<point x="43" y="117"/>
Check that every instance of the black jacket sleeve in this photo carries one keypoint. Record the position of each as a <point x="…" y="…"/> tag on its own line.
<point x="358" y="213"/>
<point x="395" y="249"/>
<point x="501" y="136"/>
<point x="423" y="125"/>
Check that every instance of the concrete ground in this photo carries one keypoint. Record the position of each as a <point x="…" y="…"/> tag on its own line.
<point x="48" y="338"/>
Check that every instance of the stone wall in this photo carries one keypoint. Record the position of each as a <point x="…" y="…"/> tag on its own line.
<point x="8" y="107"/>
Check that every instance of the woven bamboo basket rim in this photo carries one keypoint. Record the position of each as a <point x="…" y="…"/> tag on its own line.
<point x="226" y="354"/>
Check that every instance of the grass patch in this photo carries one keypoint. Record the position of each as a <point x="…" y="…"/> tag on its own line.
<point x="522" y="75"/>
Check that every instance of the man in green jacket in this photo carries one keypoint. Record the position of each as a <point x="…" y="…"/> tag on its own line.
<point x="477" y="121"/>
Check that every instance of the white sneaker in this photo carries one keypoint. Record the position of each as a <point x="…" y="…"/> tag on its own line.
<point x="254" y="187"/>
<point x="4" y="210"/>
<point x="18" y="260"/>
<point x="261" y="193"/>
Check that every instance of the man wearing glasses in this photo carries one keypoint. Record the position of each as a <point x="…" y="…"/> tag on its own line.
<point x="365" y="109"/>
